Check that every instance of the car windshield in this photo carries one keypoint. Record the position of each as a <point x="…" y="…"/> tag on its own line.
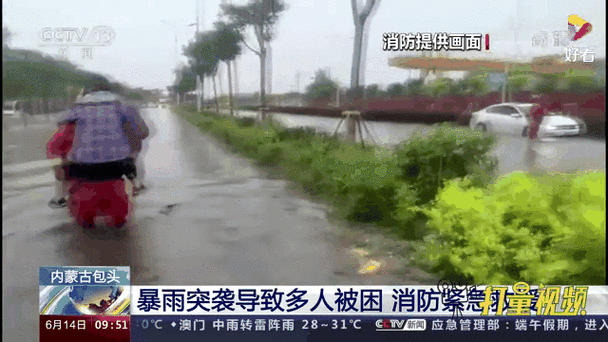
<point x="527" y="107"/>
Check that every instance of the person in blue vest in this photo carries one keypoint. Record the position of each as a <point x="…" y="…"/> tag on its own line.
<point x="106" y="134"/>
<point x="99" y="92"/>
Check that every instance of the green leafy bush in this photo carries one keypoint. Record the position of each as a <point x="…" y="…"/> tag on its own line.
<point x="396" y="89"/>
<point x="547" y="84"/>
<point x="440" y="87"/>
<point x="322" y="86"/>
<point x="449" y="152"/>
<point x="414" y="87"/>
<point x="540" y="229"/>
<point x="300" y="133"/>
<point x="517" y="83"/>
<point x="205" y="124"/>
<point x="364" y="183"/>
<point x="409" y="220"/>
<point x="245" y="122"/>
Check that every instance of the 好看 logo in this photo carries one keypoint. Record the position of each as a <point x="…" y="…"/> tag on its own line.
<point x="578" y="27"/>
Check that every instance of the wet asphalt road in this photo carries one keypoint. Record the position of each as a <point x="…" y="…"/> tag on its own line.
<point x="209" y="218"/>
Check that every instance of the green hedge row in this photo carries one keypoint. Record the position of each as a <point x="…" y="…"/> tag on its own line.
<point x="539" y="229"/>
<point x="405" y="190"/>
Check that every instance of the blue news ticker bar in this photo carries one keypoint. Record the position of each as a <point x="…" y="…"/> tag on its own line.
<point x="365" y="328"/>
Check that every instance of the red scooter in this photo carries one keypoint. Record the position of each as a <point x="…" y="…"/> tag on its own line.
<point x="92" y="199"/>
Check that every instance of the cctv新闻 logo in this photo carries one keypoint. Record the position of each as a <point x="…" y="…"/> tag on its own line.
<point x="96" y="36"/>
<point x="411" y="324"/>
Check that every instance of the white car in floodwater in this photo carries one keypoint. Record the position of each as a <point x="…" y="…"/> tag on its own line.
<point x="514" y="118"/>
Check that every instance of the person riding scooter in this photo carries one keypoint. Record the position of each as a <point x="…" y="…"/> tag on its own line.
<point x="60" y="167"/>
<point x="104" y="132"/>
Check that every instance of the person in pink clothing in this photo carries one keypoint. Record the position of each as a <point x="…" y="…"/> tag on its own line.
<point x="537" y="113"/>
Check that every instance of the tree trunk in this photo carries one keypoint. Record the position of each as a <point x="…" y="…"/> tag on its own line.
<point x="356" y="66"/>
<point x="199" y="83"/>
<point x="236" y="85"/>
<point x="360" y="18"/>
<point x="217" y="105"/>
<point x="203" y="91"/>
<point x="219" y="79"/>
<point x="263" y="81"/>
<point x="230" y="89"/>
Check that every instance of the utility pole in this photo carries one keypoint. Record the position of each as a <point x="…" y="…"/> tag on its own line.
<point x="177" y="76"/>
<point x="199" y="89"/>
<point x="176" y="65"/>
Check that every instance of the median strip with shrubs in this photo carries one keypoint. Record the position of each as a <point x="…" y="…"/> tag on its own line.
<point x="440" y="189"/>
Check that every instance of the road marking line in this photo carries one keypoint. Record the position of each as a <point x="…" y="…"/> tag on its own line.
<point x="38" y="164"/>
<point x="25" y="183"/>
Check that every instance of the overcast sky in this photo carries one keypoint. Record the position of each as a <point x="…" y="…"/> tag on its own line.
<point x="311" y="34"/>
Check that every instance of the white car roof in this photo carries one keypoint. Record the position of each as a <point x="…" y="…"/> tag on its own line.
<point x="513" y="104"/>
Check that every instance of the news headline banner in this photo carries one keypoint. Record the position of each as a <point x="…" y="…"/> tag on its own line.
<point x="520" y="299"/>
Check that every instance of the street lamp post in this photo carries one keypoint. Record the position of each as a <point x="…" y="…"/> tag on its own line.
<point x="177" y="50"/>
<point x="176" y="53"/>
